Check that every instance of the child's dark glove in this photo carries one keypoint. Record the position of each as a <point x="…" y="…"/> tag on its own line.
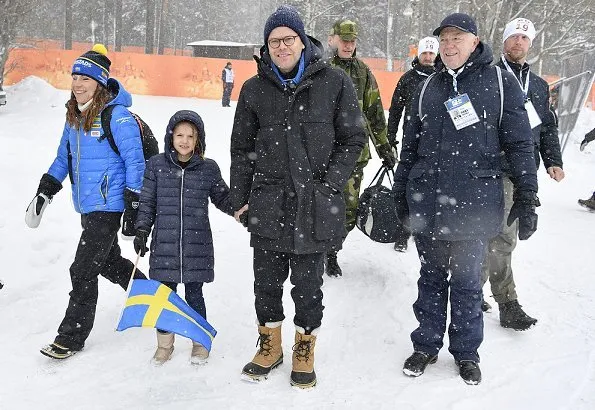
<point x="131" y="202"/>
<point x="140" y="242"/>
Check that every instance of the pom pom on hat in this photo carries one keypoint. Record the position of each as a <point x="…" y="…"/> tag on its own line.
<point x="94" y="64"/>
<point x="100" y="48"/>
<point x="519" y="26"/>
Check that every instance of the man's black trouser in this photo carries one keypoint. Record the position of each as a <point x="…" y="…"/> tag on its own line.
<point x="271" y="270"/>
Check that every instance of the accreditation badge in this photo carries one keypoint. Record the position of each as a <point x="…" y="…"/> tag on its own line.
<point x="534" y="119"/>
<point x="461" y="111"/>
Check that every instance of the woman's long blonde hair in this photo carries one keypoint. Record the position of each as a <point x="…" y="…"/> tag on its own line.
<point x="75" y="118"/>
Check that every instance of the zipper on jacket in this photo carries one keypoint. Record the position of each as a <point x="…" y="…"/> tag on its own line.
<point x="78" y="165"/>
<point x="181" y="224"/>
<point x="485" y="129"/>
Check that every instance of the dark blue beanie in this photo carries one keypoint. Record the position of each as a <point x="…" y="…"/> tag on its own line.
<point x="285" y="16"/>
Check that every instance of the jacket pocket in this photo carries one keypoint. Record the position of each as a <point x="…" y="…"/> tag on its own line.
<point x="266" y="211"/>
<point x="329" y="215"/>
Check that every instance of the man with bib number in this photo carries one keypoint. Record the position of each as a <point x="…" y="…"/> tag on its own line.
<point x="518" y="37"/>
<point x="448" y="188"/>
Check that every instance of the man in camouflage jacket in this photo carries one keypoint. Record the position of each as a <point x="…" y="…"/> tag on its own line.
<point x="342" y="43"/>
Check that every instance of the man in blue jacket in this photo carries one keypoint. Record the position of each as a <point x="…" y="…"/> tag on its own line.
<point x="448" y="189"/>
<point x="518" y="37"/>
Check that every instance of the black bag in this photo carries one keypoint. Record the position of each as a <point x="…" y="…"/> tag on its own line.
<point x="150" y="145"/>
<point x="376" y="214"/>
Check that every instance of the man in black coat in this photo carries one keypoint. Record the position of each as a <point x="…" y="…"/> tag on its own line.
<point x="518" y="37"/>
<point x="448" y="189"/>
<point x="297" y="134"/>
<point x="422" y="67"/>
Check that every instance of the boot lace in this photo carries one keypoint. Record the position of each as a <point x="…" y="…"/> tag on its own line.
<point x="264" y="341"/>
<point x="302" y="350"/>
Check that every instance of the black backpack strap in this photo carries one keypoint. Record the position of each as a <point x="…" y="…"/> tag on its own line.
<point x="106" y="118"/>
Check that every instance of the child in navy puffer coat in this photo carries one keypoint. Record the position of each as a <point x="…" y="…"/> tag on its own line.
<point x="174" y="202"/>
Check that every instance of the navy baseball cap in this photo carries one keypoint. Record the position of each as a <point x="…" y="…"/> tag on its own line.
<point x="461" y="21"/>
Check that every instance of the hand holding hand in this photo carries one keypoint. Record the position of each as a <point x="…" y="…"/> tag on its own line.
<point x="241" y="215"/>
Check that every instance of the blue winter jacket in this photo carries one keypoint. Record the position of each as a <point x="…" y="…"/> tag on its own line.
<point x="175" y="202"/>
<point x="452" y="180"/>
<point x="98" y="175"/>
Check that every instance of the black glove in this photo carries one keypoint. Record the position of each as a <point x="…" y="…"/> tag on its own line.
<point x="49" y="186"/>
<point x="523" y="209"/>
<point x="402" y="208"/>
<point x="130" y="211"/>
<point x="140" y="242"/>
<point x="388" y="157"/>
<point x="244" y="219"/>
<point x="584" y="144"/>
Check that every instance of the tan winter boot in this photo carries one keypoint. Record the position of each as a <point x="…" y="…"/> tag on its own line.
<point x="165" y="347"/>
<point x="302" y="372"/>
<point x="269" y="354"/>
<point x="199" y="355"/>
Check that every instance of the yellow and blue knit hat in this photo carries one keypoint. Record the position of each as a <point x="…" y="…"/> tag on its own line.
<point x="94" y="64"/>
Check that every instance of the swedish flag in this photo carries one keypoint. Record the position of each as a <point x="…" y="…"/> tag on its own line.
<point x="152" y="304"/>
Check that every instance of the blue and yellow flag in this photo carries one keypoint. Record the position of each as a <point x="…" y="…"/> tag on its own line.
<point x="152" y="304"/>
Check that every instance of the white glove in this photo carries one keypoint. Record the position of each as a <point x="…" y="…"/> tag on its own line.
<point x="35" y="210"/>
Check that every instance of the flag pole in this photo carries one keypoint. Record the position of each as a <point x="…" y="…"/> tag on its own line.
<point x="128" y="290"/>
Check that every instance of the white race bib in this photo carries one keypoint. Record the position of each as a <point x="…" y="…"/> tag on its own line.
<point x="461" y="111"/>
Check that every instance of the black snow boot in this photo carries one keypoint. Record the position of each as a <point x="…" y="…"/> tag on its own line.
<point x="588" y="203"/>
<point x="469" y="371"/>
<point x="416" y="363"/>
<point x="332" y="266"/>
<point x="514" y="317"/>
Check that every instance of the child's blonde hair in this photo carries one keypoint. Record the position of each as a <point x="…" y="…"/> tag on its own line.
<point x="195" y="133"/>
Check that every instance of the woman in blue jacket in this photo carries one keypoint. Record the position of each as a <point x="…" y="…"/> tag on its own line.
<point x="174" y="202"/>
<point x="104" y="184"/>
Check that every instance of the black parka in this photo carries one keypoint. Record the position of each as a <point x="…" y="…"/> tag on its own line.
<point x="292" y="151"/>
<point x="452" y="180"/>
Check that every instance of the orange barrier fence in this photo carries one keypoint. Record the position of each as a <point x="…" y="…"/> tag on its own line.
<point x="166" y="75"/>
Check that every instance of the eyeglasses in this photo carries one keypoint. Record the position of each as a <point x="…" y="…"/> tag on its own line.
<point x="276" y="42"/>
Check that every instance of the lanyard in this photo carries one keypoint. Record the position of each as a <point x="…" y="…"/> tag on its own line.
<point x="454" y="78"/>
<point x="525" y="87"/>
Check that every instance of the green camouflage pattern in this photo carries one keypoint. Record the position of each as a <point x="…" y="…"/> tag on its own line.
<point x="351" y="194"/>
<point x="368" y="96"/>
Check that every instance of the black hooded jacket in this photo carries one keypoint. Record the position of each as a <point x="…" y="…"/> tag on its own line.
<point x="293" y="149"/>
<point x="174" y="201"/>
<point x="402" y="97"/>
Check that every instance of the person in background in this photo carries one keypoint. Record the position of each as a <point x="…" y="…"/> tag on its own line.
<point x="590" y="202"/>
<point x="174" y="202"/>
<point x="105" y="189"/>
<point x="421" y="68"/>
<point x="227" y="77"/>
<point x="343" y="43"/>
<point x="298" y="131"/>
<point x="518" y="37"/>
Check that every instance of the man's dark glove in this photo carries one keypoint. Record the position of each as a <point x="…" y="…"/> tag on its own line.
<point x="388" y="156"/>
<point x="523" y="209"/>
<point x="402" y="208"/>
<point x="590" y="136"/>
<point x="131" y="202"/>
<point x="140" y="242"/>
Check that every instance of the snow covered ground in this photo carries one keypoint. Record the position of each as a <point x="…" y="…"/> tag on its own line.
<point x="368" y="316"/>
